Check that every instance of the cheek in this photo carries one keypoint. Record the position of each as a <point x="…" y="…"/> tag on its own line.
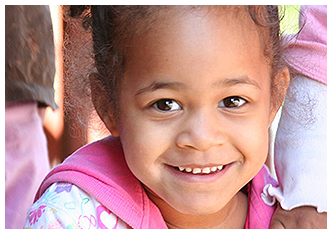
<point x="250" y="137"/>
<point x="139" y="157"/>
<point x="257" y="145"/>
<point x="252" y="144"/>
<point x="142" y="145"/>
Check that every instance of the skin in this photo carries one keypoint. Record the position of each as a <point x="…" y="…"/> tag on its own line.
<point x="197" y="61"/>
<point x="305" y="217"/>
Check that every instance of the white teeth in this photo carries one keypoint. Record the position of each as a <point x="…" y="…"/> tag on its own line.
<point x="197" y="170"/>
<point x="205" y="170"/>
<point x="188" y="169"/>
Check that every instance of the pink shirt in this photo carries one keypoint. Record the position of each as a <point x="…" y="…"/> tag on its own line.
<point x="100" y="169"/>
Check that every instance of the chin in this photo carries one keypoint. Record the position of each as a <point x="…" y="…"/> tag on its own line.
<point x="199" y="206"/>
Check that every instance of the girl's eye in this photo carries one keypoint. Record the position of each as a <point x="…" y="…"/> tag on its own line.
<point x="166" y="105"/>
<point x="232" y="102"/>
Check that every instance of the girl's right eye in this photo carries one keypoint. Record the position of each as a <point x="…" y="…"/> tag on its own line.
<point x="166" y="105"/>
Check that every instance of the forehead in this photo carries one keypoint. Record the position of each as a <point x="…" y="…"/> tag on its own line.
<point x="167" y="19"/>
<point x="182" y="39"/>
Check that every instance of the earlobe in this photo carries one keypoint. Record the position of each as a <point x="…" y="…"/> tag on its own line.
<point x="279" y="90"/>
<point x="273" y="114"/>
<point x="111" y="125"/>
<point x="99" y="103"/>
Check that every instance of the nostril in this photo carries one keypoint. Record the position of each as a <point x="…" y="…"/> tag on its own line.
<point x="201" y="143"/>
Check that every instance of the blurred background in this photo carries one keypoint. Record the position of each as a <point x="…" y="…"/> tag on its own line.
<point x="64" y="132"/>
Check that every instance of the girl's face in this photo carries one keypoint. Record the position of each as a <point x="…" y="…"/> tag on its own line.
<point x="195" y="109"/>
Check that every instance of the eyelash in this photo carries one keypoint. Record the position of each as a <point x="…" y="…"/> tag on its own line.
<point x="169" y="105"/>
<point x="233" y="100"/>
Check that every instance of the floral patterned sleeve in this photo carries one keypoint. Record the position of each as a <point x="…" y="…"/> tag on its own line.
<point x="65" y="206"/>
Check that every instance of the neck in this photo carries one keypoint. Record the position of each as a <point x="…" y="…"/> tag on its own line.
<point x="233" y="215"/>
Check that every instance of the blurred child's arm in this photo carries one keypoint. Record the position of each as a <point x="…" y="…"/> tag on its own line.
<point x="298" y="218"/>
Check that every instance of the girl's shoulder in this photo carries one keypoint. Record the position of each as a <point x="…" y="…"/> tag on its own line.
<point x="66" y="206"/>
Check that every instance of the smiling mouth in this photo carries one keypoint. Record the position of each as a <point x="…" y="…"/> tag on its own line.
<point x="200" y="171"/>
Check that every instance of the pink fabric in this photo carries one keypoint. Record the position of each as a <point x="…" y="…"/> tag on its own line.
<point x="26" y="159"/>
<point x="259" y="214"/>
<point x="307" y="53"/>
<point x="100" y="169"/>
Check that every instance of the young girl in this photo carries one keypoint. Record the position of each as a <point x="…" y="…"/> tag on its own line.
<point x="188" y="94"/>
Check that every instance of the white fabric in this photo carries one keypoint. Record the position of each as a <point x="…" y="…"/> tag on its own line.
<point x="301" y="148"/>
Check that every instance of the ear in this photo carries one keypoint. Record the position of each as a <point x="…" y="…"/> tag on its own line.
<point x="278" y="92"/>
<point x="99" y="102"/>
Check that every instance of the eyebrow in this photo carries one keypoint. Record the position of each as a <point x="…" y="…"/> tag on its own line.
<point x="161" y="85"/>
<point x="228" y="82"/>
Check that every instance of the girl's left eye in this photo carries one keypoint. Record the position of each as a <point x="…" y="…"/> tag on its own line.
<point x="232" y="102"/>
<point x="166" y="105"/>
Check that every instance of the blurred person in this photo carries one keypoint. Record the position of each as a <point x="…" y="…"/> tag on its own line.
<point x="30" y="69"/>
<point x="301" y="139"/>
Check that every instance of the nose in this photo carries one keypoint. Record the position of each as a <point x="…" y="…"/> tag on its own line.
<point x="201" y="131"/>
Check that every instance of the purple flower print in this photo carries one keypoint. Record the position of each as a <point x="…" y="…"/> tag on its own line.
<point x="63" y="187"/>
